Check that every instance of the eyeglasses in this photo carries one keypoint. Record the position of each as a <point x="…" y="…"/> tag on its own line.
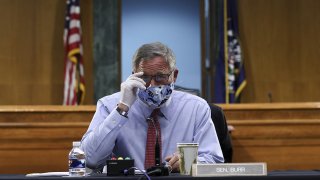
<point x="159" y="78"/>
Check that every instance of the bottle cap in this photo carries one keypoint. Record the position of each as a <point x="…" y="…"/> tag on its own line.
<point x="76" y="143"/>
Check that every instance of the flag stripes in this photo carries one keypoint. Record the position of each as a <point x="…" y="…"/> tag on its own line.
<point x="74" y="84"/>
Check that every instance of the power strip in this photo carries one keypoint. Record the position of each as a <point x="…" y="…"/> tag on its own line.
<point x="120" y="167"/>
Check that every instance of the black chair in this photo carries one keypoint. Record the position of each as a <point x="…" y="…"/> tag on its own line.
<point x="220" y="123"/>
<point x="187" y="90"/>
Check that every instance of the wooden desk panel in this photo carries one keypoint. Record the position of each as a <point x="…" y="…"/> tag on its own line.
<point x="285" y="135"/>
<point x="39" y="138"/>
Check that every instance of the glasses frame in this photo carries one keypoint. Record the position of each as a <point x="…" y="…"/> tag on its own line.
<point x="155" y="77"/>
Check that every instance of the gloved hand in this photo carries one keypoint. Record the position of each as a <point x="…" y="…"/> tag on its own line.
<point x="129" y="88"/>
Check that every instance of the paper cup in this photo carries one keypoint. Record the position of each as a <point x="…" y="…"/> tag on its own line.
<point x="188" y="155"/>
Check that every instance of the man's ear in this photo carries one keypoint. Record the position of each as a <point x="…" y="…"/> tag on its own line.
<point x="175" y="75"/>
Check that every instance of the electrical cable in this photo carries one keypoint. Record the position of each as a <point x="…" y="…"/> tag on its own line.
<point x="135" y="168"/>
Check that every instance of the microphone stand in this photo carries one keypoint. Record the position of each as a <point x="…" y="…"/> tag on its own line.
<point x="158" y="169"/>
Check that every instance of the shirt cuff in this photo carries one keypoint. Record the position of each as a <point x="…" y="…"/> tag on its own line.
<point x="115" y="120"/>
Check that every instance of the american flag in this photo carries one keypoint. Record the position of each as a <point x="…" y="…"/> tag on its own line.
<point x="74" y="85"/>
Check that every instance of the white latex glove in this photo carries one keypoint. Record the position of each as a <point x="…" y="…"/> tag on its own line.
<point x="129" y="88"/>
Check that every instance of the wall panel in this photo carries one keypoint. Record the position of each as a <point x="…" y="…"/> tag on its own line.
<point x="281" y="49"/>
<point x="279" y="40"/>
<point x="32" y="54"/>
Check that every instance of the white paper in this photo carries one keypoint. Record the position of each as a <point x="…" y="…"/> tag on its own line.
<point x="48" y="174"/>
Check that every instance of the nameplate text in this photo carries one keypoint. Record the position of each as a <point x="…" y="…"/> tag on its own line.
<point x="229" y="169"/>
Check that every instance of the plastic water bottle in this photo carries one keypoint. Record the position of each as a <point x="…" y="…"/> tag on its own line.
<point x="77" y="161"/>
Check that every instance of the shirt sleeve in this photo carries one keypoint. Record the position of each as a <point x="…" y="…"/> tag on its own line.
<point x="205" y="134"/>
<point x="99" y="140"/>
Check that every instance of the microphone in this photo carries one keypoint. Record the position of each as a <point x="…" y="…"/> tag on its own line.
<point x="270" y="97"/>
<point x="158" y="169"/>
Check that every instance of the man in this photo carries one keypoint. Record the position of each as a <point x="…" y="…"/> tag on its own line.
<point x="119" y="126"/>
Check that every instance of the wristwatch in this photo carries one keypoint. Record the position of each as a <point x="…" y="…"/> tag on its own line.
<point x="121" y="112"/>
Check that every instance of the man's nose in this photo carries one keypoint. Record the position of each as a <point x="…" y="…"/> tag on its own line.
<point x="153" y="82"/>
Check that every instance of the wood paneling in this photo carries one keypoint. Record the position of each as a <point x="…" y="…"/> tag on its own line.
<point x="279" y="40"/>
<point x="32" y="53"/>
<point x="281" y="49"/>
<point x="39" y="138"/>
<point x="285" y="136"/>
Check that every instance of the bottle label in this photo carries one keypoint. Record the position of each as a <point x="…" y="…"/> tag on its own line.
<point x="77" y="167"/>
<point x="77" y="163"/>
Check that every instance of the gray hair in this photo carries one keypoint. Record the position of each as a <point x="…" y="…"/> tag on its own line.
<point x="149" y="51"/>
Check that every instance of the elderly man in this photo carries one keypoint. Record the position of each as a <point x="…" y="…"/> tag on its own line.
<point x="121" y="124"/>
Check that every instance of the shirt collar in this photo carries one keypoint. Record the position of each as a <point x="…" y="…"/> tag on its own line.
<point x="166" y="109"/>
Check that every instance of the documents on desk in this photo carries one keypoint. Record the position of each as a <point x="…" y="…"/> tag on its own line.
<point x="48" y="174"/>
<point x="229" y="169"/>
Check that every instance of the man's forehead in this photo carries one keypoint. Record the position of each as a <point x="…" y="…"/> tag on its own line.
<point x="154" y="66"/>
<point x="152" y="72"/>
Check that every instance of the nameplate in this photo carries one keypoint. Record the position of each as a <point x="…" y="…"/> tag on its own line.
<point x="229" y="169"/>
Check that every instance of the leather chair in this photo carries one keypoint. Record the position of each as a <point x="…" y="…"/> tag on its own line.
<point x="220" y="123"/>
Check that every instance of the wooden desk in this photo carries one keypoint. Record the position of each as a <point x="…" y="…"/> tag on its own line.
<point x="39" y="138"/>
<point x="285" y="135"/>
<point x="281" y="175"/>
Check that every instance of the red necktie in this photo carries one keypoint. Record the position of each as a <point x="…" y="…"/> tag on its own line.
<point x="151" y="139"/>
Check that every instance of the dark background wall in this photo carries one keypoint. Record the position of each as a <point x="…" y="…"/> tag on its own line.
<point x="106" y="50"/>
<point x="279" y="39"/>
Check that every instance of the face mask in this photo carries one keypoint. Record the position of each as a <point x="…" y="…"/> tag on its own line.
<point x="155" y="96"/>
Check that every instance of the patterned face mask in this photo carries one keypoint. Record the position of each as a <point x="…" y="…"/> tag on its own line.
<point x="155" y="96"/>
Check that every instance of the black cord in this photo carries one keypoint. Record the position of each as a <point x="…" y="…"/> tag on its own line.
<point x="154" y="171"/>
<point x="126" y="171"/>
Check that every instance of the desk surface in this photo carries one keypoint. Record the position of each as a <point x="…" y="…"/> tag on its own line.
<point x="274" y="175"/>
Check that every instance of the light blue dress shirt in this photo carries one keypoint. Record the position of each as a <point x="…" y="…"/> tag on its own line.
<point x="185" y="118"/>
